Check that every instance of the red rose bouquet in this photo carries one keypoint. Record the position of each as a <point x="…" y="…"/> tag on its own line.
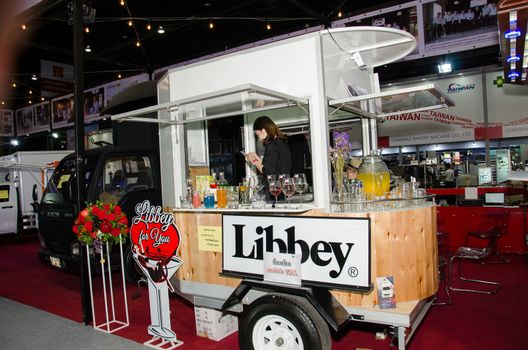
<point x="101" y="222"/>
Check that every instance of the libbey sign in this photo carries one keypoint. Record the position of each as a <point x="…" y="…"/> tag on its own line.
<point x="334" y="251"/>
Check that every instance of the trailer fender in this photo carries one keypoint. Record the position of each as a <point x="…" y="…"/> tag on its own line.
<point x="334" y="314"/>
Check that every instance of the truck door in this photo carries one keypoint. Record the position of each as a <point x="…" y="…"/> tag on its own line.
<point x="8" y="208"/>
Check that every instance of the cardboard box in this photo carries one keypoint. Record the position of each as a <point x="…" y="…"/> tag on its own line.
<point x="212" y="324"/>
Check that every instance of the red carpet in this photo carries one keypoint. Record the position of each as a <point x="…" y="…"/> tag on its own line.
<point x="471" y="322"/>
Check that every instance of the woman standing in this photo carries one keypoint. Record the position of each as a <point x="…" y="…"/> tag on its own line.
<point x="277" y="158"/>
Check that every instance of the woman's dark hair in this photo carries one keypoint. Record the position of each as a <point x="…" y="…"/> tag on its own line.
<point x="264" y="122"/>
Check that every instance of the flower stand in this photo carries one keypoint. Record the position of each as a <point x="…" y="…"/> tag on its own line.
<point x="110" y="323"/>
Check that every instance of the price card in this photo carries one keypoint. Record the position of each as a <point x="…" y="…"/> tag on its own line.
<point x="282" y="268"/>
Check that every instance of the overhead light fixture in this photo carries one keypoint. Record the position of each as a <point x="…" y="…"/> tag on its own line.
<point x="339" y="13"/>
<point x="13" y="84"/>
<point x="510" y="34"/>
<point x="513" y="59"/>
<point x="3" y="103"/>
<point x="34" y="77"/>
<point x="119" y="76"/>
<point x="30" y="92"/>
<point x="513" y="75"/>
<point x="444" y="68"/>
<point x="30" y="102"/>
<point x="42" y="99"/>
<point x="149" y="26"/>
<point x="55" y="135"/>
<point x="88" y="48"/>
<point x="161" y="30"/>
<point x="138" y="44"/>
<point x="122" y="2"/>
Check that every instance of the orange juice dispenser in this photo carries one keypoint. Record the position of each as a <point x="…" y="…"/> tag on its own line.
<point x="375" y="177"/>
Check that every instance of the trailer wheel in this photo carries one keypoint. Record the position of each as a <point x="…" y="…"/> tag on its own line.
<point x="280" y="321"/>
<point x="132" y="272"/>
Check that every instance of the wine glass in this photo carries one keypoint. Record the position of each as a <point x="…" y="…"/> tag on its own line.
<point x="301" y="185"/>
<point x="288" y="187"/>
<point x="275" y="187"/>
<point x="256" y="184"/>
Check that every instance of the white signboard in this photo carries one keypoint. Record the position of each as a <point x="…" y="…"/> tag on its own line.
<point x="339" y="257"/>
<point x="502" y="159"/>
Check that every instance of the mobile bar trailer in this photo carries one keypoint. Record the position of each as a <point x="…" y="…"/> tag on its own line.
<point x="311" y="83"/>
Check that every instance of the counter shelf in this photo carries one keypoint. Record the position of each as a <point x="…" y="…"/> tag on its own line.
<point x="380" y="204"/>
<point x="267" y="209"/>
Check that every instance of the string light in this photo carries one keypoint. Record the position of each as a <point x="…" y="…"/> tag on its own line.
<point x="13" y="85"/>
<point x="211" y="25"/>
<point x="339" y="14"/>
<point x="149" y="27"/>
<point x="87" y="29"/>
<point x="130" y="23"/>
<point x="30" y="92"/>
<point x="122" y="2"/>
<point x="42" y="99"/>
<point x="138" y="44"/>
<point x="23" y="26"/>
<point x="268" y="26"/>
<point x="30" y="102"/>
<point x="119" y="76"/>
<point x="3" y="103"/>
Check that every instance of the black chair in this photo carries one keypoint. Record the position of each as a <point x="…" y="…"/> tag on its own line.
<point x="491" y="227"/>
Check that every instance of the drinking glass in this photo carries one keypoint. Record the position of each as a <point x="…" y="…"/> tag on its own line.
<point x="301" y="185"/>
<point x="275" y="187"/>
<point x="288" y="187"/>
<point x="256" y="183"/>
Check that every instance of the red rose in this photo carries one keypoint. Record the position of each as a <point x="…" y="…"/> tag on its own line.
<point x="75" y="229"/>
<point x="106" y="227"/>
<point x="93" y="234"/>
<point x="84" y="213"/>
<point x="117" y="210"/>
<point x="110" y="217"/>
<point x="106" y="207"/>
<point x="95" y="210"/>
<point x="88" y="226"/>
<point x="80" y="220"/>
<point x="123" y="220"/>
<point x="115" y="232"/>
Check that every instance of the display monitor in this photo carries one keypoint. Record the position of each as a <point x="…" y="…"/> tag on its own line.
<point x="494" y="198"/>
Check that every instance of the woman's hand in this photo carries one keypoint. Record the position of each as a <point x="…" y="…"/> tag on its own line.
<point x="255" y="160"/>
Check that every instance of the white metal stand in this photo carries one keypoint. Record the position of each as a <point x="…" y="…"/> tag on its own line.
<point x="110" y="325"/>
<point x="162" y="344"/>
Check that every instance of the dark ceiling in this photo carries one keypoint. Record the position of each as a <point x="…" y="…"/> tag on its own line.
<point x="187" y="35"/>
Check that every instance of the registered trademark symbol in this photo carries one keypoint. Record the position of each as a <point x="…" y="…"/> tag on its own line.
<point x="353" y="271"/>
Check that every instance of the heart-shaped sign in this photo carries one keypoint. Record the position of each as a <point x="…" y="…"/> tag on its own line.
<point x="154" y="243"/>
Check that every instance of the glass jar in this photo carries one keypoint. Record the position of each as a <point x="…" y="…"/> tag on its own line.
<point x="375" y="176"/>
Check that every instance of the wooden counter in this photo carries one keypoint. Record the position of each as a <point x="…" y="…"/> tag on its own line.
<point x="403" y="245"/>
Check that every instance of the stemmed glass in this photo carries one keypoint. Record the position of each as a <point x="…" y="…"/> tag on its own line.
<point x="301" y="185"/>
<point x="288" y="187"/>
<point x="275" y="187"/>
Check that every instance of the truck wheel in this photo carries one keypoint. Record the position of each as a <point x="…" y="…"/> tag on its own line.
<point x="280" y="321"/>
<point x="132" y="272"/>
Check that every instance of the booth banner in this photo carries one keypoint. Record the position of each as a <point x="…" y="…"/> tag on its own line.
<point x="155" y="240"/>
<point x="6" y="123"/>
<point x="426" y="139"/>
<point x="56" y="78"/>
<point x="115" y="87"/>
<point x="24" y="121"/>
<point x="42" y="117"/>
<point x="339" y="257"/>
<point x="62" y="112"/>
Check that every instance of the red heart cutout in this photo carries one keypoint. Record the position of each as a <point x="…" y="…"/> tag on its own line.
<point x="152" y="242"/>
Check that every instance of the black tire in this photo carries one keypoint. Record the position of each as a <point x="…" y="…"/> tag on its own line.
<point x="291" y="314"/>
<point x="132" y="272"/>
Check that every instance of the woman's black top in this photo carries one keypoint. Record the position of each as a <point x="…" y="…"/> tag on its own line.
<point x="277" y="158"/>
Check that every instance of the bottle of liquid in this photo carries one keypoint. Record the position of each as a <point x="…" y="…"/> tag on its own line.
<point x="221" y="191"/>
<point x="375" y="176"/>
<point x="213" y="186"/>
<point x="196" y="202"/>
<point x="222" y="182"/>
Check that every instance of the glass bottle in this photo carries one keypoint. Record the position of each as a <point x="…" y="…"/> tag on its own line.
<point x="375" y="177"/>
<point x="222" y="182"/>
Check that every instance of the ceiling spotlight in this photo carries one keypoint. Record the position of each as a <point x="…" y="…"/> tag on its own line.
<point x="55" y="135"/>
<point x="14" y="142"/>
<point x="30" y="102"/>
<point x="42" y="99"/>
<point x="88" y="48"/>
<point x="444" y="68"/>
<point x="130" y="23"/>
<point x="211" y="25"/>
<point x="3" y="103"/>
<point x="34" y="77"/>
<point x="149" y="26"/>
<point x="23" y="26"/>
<point x="119" y="76"/>
<point x="30" y="92"/>
<point x="161" y="30"/>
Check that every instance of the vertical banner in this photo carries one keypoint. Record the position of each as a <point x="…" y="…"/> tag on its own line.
<point x="24" y="121"/>
<point x="42" y="117"/>
<point x="6" y="123"/>
<point x="155" y="241"/>
<point x="56" y="78"/>
<point x="62" y="111"/>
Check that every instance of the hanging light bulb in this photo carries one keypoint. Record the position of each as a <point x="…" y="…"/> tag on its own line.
<point x="138" y="44"/>
<point x="23" y="26"/>
<point x="3" y="103"/>
<point x="13" y="84"/>
<point x="118" y="75"/>
<point x="130" y="23"/>
<point x="268" y="26"/>
<point x="42" y="99"/>
<point x="122" y="2"/>
<point x="161" y="30"/>
<point x="339" y="13"/>
<point x="149" y="26"/>
<point x="87" y="29"/>
<point x="211" y="25"/>
<point x="30" y="92"/>
<point x="30" y="102"/>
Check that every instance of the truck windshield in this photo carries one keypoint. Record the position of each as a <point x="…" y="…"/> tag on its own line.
<point x="65" y="172"/>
